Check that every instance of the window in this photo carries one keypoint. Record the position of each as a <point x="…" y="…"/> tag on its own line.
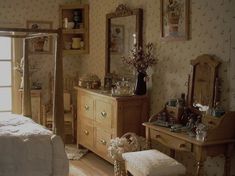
<point x="5" y="75"/>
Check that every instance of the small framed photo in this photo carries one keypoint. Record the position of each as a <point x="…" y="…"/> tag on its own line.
<point x="174" y="19"/>
<point x="40" y="45"/>
<point x="117" y="39"/>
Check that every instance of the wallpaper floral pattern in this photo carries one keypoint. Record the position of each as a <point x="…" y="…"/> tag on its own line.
<point x="211" y="32"/>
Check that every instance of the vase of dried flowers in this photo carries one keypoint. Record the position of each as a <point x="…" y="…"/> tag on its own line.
<point x="140" y="59"/>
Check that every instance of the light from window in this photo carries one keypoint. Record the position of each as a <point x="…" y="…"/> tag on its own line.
<point x="5" y="74"/>
<point x="5" y="100"/>
<point x="5" y="48"/>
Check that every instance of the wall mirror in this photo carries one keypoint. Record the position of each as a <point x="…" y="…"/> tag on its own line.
<point x="204" y="84"/>
<point x="123" y="30"/>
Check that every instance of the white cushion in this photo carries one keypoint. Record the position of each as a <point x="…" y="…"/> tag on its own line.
<point x="153" y="163"/>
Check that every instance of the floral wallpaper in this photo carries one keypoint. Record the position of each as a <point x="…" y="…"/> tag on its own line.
<point x="212" y="32"/>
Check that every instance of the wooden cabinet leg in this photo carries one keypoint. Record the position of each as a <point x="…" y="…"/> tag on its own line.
<point x="199" y="168"/>
<point x="80" y="146"/>
<point x="200" y="158"/>
<point x="148" y="140"/>
<point x="227" y="164"/>
<point x="172" y="153"/>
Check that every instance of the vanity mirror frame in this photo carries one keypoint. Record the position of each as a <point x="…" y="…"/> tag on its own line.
<point x="204" y="66"/>
<point x="122" y="11"/>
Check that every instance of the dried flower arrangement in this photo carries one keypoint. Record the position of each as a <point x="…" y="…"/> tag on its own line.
<point x="141" y="58"/>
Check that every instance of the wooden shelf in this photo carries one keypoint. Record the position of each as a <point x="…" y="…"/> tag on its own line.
<point x="74" y="51"/>
<point x="67" y="11"/>
<point x="74" y="31"/>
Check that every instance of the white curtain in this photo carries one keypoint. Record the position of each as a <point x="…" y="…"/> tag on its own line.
<point x="17" y="53"/>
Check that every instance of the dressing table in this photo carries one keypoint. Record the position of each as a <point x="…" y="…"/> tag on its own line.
<point x="220" y="137"/>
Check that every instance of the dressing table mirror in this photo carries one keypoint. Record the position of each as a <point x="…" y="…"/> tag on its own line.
<point x="204" y="85"/>
<point x="123" y="30"/>
<point x="204" y="91"/>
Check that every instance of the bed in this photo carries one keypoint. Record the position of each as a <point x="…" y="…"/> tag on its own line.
<point x="29" y="149"/>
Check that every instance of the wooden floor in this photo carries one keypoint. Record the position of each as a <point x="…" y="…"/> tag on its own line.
<point x="90" y="165"/>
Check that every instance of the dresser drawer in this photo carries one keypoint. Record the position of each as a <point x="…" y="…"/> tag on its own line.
<point x="210" y="121"/>
<point x="101" y="140"/>
<point x="86" y="135"/>
<point x="103" y="113"/>
<point x="87" y="106"/>
<point x="170" y="141"/>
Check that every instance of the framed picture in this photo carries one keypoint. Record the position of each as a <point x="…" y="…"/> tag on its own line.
<point x="117" y="39"/>
<point x="40" y="45"/>
<point x="174" y="19"/>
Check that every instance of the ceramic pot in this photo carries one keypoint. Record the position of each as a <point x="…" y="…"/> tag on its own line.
<point x="76" y="43"/>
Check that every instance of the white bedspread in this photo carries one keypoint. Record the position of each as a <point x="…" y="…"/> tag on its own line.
<point x="29" y="149"/>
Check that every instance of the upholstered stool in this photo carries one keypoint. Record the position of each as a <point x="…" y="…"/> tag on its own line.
<point x="152" y="163"/>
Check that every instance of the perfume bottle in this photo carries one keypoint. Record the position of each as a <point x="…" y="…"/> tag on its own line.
<point x="218" y="110"/>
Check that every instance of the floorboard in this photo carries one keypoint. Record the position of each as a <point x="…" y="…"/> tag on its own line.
<point x="90" y="165"/>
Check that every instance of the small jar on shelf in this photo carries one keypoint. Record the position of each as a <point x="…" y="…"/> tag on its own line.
<point x="67" y="45"/>
<point x="76" y="43"/>
<point x="65" y="23"/>
<point x="82" y="44"/>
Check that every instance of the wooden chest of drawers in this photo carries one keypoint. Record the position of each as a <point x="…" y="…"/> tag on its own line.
<point x="102" y="117"/>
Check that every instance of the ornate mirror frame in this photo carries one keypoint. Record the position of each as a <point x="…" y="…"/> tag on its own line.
<point x="122" y="11"/>
<point x="204" y="84"/>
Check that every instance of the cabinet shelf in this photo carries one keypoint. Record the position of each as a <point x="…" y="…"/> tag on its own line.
<point x="74" y="51"/>
<point x="74" y="31"/>
<point x="67" y="13"/>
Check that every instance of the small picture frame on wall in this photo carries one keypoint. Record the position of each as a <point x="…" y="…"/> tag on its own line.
<point x="40" y="45"/>
<point x="174" y="19"/>
<point x="117" y="39"/>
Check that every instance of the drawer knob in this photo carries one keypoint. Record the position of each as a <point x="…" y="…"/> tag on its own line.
<point x="86" y="132"/>
<point x="86" y="107"/>
<point x="211" y="122"/>
<point x="103" y="114"/>
<point x="182" y="145"/>
<point x="103" y="141"/>
<point x="157" y="136"/>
